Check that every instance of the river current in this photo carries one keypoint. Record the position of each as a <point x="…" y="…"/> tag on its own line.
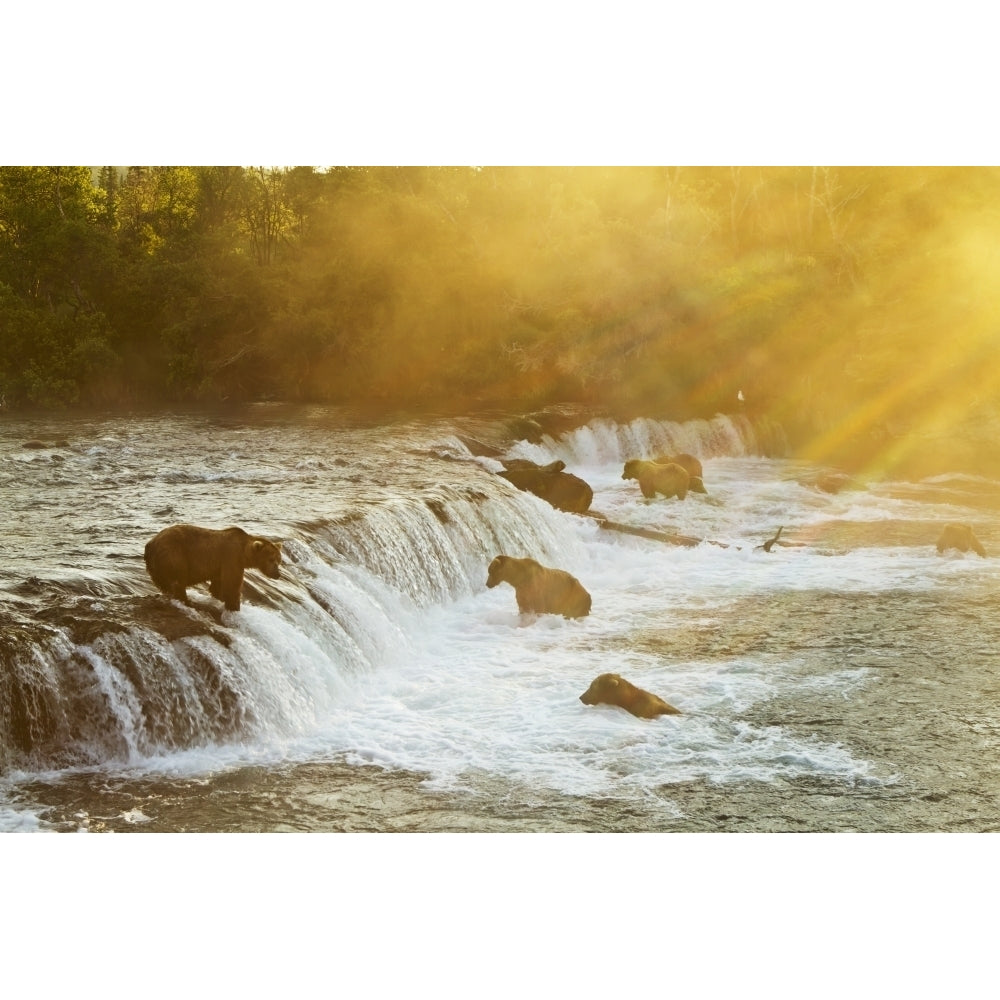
<point x="843" y="680"/>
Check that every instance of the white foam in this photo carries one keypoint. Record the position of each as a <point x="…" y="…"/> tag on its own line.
<point x="18" y="821"/>
<point x="386" y="647"/>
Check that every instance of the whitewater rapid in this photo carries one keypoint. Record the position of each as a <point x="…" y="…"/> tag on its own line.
<point x="382" y="647"/>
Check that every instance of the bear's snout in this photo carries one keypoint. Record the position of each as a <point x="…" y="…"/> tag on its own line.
<point x="274" y="574"/>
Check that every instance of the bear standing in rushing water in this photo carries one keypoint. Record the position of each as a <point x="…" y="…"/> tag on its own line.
<point x="540" y="589"/>
<point x="610" y="689"/>
<point x="184" y="555"/>
<point x="691" y="465"/>
<point x="670" y="480"/>
<point x="961" y="537"/>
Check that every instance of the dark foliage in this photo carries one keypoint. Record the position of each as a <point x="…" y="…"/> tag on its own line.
<point x="823" y="295"/>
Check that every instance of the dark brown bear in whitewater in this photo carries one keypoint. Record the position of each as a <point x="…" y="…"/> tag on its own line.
<point x="670" y="480"/>
<point x="184" y="555"/>
<point x="959" y="536"/>
<point x="540" y="589"/>
<point x="610" y="689"/>
<point x="549" y="482"/>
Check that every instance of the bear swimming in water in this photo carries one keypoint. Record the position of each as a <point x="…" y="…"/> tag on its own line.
<point x="670" y="480"/>
<point x="959" y="536"/>
<point x="184" y="555"/>
<point x="538" y="588"/>
<point x="611" y="689"/>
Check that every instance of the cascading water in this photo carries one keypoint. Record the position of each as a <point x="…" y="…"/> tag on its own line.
<point x="126" y="677"/>
<point x="604" y="442"/>
<point x="381" y="645"/>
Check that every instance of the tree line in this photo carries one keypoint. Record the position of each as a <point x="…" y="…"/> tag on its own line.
<point x="822" y="295"/>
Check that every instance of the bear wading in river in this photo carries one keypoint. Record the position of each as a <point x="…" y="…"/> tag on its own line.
<point x="551" y="483"/>
<point x="611" y="689"/>
<point x="538" y="588"/>
<point x="184" y="555"/>
<point x="670" y="479"/>
<point x="961" y="537"/>
<point x="691" y="465"/>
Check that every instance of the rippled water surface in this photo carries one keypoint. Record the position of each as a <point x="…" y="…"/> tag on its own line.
<point x="843" y="681"/>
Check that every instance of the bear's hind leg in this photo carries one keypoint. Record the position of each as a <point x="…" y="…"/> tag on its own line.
<point x="176" y="591"/>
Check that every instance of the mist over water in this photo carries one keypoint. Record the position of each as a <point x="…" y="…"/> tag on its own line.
<point x="380" y="685"/>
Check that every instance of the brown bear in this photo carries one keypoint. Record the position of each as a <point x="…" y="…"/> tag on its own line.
<point x="526" y="465"/>
<point x="959" y="536"/>
<point x="538" y="588"/>
<point x="562" y="490"/>
<point x="567" y="492"/>
<point x="837" y="482"/>
<point x="610" y="689"/>
<point x="687" y="462"/>
<point x="184" y="555"/>
<point x="690" y="465"/>
<point x="670" y="480"/>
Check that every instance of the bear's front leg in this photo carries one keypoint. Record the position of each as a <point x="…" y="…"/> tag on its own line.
<point x="230" y="587"/>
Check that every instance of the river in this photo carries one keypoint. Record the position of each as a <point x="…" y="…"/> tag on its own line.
<point x="844" y="681"/>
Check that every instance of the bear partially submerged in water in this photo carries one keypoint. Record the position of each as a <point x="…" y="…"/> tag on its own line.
<point x="961" y="537"/>
<point x="184" y="555"/>
<point x="611" y="689"/>
<point x="539" y="588"/>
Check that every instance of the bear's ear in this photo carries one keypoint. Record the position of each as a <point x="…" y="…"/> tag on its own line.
<point x="613" y="680"/>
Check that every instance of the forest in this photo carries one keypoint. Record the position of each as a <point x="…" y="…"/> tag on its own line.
<point x="856" y="307"/>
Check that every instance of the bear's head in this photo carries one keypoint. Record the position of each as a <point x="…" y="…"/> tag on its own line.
<point x="497" y="573"/>
<point x="601" y="689"/>
<point x="266" y="556"/>
<point x="632" y="468"/>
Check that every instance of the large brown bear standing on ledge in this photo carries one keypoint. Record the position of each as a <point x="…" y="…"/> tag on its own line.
<point x="610" y="689"/>
<point x="184" y="555"/>
<point x="670" y="480"/>
<point x="540" y="589"/>
<point x="959" y="536"/>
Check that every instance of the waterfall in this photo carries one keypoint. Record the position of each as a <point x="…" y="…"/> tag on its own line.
<point x="604" y="442"/>
<point x="113" y="673"/>
<point x="123" y="678"/>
